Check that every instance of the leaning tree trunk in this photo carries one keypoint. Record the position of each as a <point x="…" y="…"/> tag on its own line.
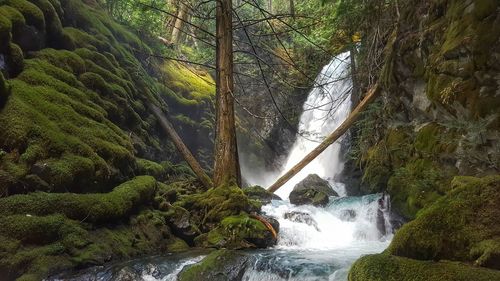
<point x="226" y="163"/>
<point x="181" y="147"/>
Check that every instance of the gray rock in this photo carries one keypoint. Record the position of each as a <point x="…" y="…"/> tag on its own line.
<point x="313" y="190"/>
<point x="302" y="217"/>
<point x="348" y="215"/>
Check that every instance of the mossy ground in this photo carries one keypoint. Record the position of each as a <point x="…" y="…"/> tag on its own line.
<point x="383" y="267"/>
<point x="460" y="226"/>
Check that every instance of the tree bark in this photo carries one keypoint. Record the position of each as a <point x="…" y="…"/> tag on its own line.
<point x="226" y="163"/>
<point x="181" y="147"/>
<point x="181" y="16"/>
<point x="292" y="8"/>
<point x="353" y="116"/>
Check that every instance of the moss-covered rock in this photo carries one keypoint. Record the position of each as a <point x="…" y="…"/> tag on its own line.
<point x="219" y="265"/>
<point x="34" y="247"/>
<point x="460" y="226"/>
<point x="384" y="267"/>
<point x="261" y="194"/>
<point x="238" y="232"/>
<point x="218" y="203"/>
<point x="416" y="185"/>
<point x="86" y="207"/>
<point x="151" y="168"/>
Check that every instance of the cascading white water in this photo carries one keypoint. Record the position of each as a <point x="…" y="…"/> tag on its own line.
<point x="323" y="242"/>
<point x="326" y="107"/>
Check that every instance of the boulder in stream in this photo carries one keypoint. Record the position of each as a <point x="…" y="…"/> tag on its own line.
<point x="312" y="190"/>
<point x="301" y="217"/>
<point x="219" y="265"/>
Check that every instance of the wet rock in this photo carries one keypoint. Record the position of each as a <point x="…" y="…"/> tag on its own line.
<point x="260" y="194"/>
<point x="313" y="190"/>
<point x="348" y="215"/>
<point x="382" y="207"/>
<point x="302" y="217"/>
<point x="274" y="222"/>
<point x="179" y="220"/>
<point x="127" y="274"/>
<point x="220" y="265"/>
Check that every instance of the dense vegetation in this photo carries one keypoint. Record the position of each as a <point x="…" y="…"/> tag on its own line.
<point x="87" y="175"/>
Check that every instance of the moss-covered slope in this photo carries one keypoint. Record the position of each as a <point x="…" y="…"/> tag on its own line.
<point x="75" y="90"/>
<point x="76" y="133"/>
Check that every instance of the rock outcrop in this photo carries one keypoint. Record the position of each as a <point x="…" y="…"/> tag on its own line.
<point x="312" y="190"/>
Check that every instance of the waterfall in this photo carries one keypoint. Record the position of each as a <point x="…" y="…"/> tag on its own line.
<point x="326" y="107"/>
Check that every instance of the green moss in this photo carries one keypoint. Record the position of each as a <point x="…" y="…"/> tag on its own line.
<point x="33" y="15"/>
<point x="4" y="90"/>
<point x="5" y="35"/>
<point x="66" y="60"/>
<point x="219" y="203"/>
<point x="52" y="21"/>
<point x="177" y="245"/>
<point x="16" y="19"/>
<point x="416" y="185"/>
<point x="455" y="226"/>
<point x="15" y="59"/>
<point x="83" y="39"/>
<point x="147" y="167"/>
<point x="191" y="83"/>
<point x="217" y="266"/>
<point x="89" y="207"/>
<point x="391" y="268"/>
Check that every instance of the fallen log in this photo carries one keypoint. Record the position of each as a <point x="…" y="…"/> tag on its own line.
<point x="353" y="116"/>
<point x="181" y="147"/>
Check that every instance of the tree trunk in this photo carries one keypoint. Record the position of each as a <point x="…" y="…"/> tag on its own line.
<point x="292" y="8"/>
<point x="181" y="16"/>
<point x="181" y="147"/>
<point x="354" y="76"/>
<point x="226" y="163"/>
<point x="353" y="116"/>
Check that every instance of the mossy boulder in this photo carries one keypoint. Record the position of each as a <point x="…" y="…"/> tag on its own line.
<point x="218" y="203"/>
<point x="416" y="185"/>
<point x="96" y="207"/>
<point x="179" y="219"/>
<point x="383" y="267"/>
<point x="261" y="194"/>
<point x="33" y="247"/>
<point x="238" y="232"/>
<point x="462" y="225"/>
<point x="221" y="265"/>
<point x="151" y="168"/>
<point x="312" y="190"/>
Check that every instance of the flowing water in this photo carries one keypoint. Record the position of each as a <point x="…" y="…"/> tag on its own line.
<point x="314" y="243"/>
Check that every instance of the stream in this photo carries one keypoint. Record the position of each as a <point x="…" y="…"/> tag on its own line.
<point x="323" y="242"/>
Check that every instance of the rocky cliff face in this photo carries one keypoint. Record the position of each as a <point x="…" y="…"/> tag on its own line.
<point x="437" y="119"/>
<point x="437" y="116"/>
